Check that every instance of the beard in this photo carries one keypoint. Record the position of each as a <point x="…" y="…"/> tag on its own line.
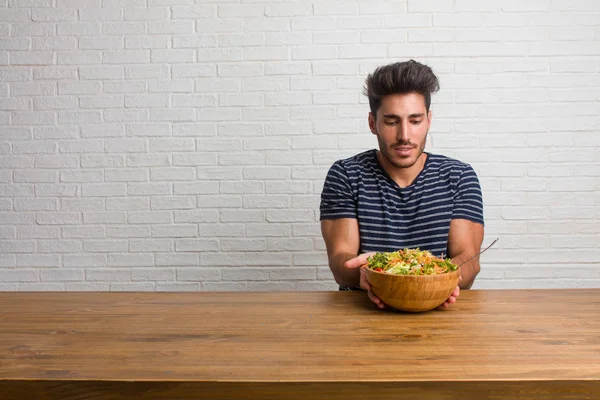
<point x="397" y="161"/>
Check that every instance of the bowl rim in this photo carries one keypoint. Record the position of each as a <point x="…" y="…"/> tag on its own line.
<point x="394" y="276"/>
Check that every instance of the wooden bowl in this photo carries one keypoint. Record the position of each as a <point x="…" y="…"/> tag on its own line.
<point x="413" y="293"/>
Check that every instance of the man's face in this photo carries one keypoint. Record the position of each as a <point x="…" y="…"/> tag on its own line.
<point x="401" y="128"/>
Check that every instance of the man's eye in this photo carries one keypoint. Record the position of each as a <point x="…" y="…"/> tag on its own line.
<point x="391" y="123"/>
<point x="415" y="122"/>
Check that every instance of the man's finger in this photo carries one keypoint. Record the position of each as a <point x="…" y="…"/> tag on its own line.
<point x="357" y="261"/>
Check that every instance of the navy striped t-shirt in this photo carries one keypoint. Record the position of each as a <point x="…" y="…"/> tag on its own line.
<point x="390" y="217"/>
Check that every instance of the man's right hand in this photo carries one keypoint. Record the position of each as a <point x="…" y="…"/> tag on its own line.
<point x="358" y="262"/>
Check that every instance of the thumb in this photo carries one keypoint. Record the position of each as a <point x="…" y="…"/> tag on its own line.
<point x="358" y="261"/>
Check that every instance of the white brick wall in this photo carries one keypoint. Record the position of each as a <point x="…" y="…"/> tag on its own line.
<point x="182" y="145"/>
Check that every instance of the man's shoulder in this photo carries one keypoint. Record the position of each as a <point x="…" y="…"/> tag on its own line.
<point x="359" y="160"/>
<point x="445" y="164"/>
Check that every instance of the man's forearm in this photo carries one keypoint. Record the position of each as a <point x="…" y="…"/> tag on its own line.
<point x="344" y="276"/>
<point x="468" y="271"/>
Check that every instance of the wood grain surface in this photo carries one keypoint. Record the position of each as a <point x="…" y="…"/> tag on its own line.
<point x="534" y="344"/>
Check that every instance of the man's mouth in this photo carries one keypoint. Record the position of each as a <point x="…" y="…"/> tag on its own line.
<point x="403" y="151"/>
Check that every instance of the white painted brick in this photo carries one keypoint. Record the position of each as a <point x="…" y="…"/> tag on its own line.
<point x="56" y="190"/>
<point x="124" y="87"/>
<point x="321" y="52"/>
<point x="288" y="68"/>
<point x="266" y="201"/>
<point x="79" y="57"/>
<point x="75" y="87"/>
<point x="7" y="260"/>
<point x="58" y="246"/>
<point x="80" y="232"/>
<point x="35" y="176"/>
<point x="175" y="115"/>
<point x="314" y="259"/>
<point x="16" y="190"/>
<point x="23" y="28"/>
<point x="150" y="217"/>
<point x="243" y="244"/>
<point x="103" y="189"/>
<point x="289" y="216"/>
<point x="145" y="14"/>
<point x="61" y="275"/>
<point x="147" y="42"/>
<point x="199" y="274"/>
<point x="81" y="176"/>
<point x="104" y="217"/>
<point x="126" y="56"/>
<point x="280" y="274"/>
<point x="148" y="189"/>
<point x="220" y="201"/>
<point x="172" y="56"/>
<point x="242" y="158"/>
<point x="127" y="204"/>
<point x="265" y="53"/>
<point x="146" y="101"/>
<point x="196" y="216"/>
<point x="266" y="173"/>
<point x="175" y="231"/>
<point x="195" y="41"/>
<point x="299" y="187"/>
<point x="128" y="231"/>
<point x="195" y="129"/>
<point x="133" y="287"/>
<point x="265" y="83"/>
<point x="332" y="7"/>
<point x="81" y="260"/>
<point x="105" y="246"/>
<point x="238" y="70"/>
<point x="100" y="14"/>
<point x="195" y="188"/>
<point x="150" y="245"/>
<point x="78" y="28"/>
<point x="224" y="286"/>
<point x="172" y="174"/>
<point x="172" y="203"/>
<point x="19" y="275"/>
<point x="153" y="274"/>
<point x="220" y="230"/>
<point x="291" y="244"/>
<point x="313" y="23"/>
<point x="123" y="28"/>
<point x="57" y="218"/>
<point x="173" y="259"/>
<point x="126" y="175"/>
<point x="53" y="43"/>
<point x="245" y="274"/>
<point x="177" y="287"/>
<point x="196" y="245"/>
<point x="8" y="232"/>
<point x="75" y="204"/>
<point x="31" y="58"/>
<point x="108" y="274"/>
<point x="104" y="43"/>
<point x="148" y="160"/>
<point x="118" y="115"/>
<point x="91" y="161"/>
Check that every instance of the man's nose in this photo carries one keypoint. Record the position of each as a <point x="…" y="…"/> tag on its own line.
<point x="402" y="133"/>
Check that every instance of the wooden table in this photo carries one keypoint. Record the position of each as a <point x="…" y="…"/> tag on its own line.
<point x="526" y="344"/>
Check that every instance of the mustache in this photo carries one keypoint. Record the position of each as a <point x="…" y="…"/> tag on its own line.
<point x="404" y="144"/>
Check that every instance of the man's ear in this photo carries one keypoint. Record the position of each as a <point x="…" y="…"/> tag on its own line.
<point x="372" y="124"/>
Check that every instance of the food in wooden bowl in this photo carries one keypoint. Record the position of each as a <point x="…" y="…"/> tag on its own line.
<point x="411" y="279"/>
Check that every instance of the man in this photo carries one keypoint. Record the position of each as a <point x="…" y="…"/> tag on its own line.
<point x="400" y="196"/>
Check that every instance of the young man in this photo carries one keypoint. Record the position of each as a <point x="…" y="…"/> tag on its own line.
<point x="400" y="196"/>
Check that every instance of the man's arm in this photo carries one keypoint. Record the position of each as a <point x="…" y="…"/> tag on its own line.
<point x="464" y="241"/>
<point x="343" y="242"/>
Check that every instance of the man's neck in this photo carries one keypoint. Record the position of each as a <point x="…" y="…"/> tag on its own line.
<point x="402" y="176"/>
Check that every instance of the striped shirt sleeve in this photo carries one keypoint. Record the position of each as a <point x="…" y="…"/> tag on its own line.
<point x="337" y="198"/>
<point x="468" y="202"/>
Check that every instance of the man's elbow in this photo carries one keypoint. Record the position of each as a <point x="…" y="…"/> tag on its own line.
<point x="467" y="281"/>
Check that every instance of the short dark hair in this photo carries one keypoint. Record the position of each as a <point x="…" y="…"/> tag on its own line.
<point x="400" y="78"/>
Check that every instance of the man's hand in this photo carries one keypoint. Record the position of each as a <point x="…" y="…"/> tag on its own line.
<point x="452" y="298"/>
<point x="358" y="262"/>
